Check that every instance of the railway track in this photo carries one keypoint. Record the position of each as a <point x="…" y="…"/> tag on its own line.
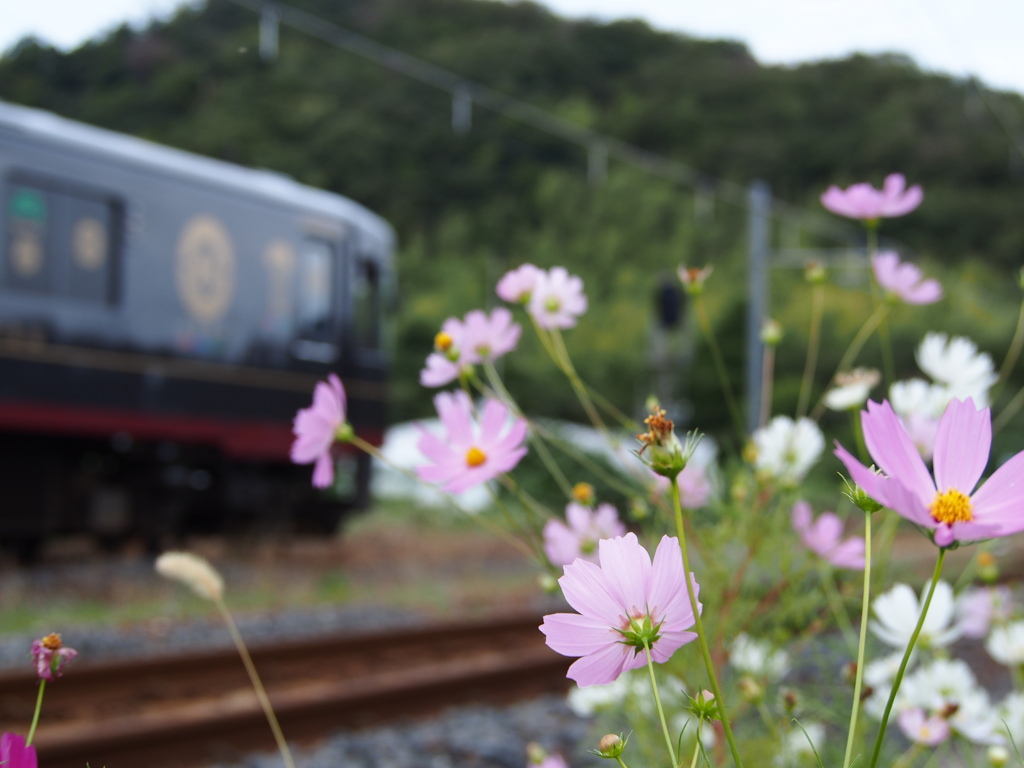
<point x="193" y="710"/>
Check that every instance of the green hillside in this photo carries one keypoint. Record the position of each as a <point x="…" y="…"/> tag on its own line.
<point x="466" y="207"/>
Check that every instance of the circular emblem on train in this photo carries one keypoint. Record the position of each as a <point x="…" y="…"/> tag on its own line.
<point x="89" y="243"/>
<point x="206" y="268"/>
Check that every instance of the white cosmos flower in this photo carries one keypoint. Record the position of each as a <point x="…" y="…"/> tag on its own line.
<point x="787" y="449"/>
<point x="919" y="406"/>
<point x="1006" y="644"/>
<point x="851" y="389"/>
<point x="1011" y="712"/>
<point x="957" y="364"/>
<point x="948" y="688"/>
<point x="756" y="657"/>
<point x="797" y="745"/>
<point x="897" y="611"/>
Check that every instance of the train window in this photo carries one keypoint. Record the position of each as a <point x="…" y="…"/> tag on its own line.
<point x="316" y="300"/>
<point x="366" y="315"/>
<point x="60" y="242"/>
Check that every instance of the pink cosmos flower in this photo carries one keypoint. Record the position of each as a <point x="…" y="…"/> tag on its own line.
<point x="822" y="536"/>
<point x="903" y="280"/>
<point x="516" y="286"/>
<point x="14" y="753"/>
<point x="557" y="299"/>
<point x="444" y="364"/>
<point x="862" y="201"/>
<point x="471" y="453"/>
<point x="51" y="656"/>
<point x="978" y="608"/>
<point x="317" y="427"/>
<point x="949" y="504"/>
<point x="928" y="731"/>
<point x="563" y="543"/>
<point x="488" y="337"/>
<point x="623" y="604"/>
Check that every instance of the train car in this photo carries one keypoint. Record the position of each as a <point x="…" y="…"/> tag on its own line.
<point x="162" y="317"/>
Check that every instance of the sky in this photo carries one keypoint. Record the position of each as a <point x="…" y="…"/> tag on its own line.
<point x="959" y="37"/>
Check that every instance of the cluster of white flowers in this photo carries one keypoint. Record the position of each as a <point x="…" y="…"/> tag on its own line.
<point x="758" y="658"/>
<point x="957" y="369"/>
<point x="786" y="449"/>
<point x="941" y="698"/>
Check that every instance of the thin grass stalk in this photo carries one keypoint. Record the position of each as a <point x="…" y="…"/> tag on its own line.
<point x="856" y="345"/>
<point x="257" y="684"/>
<point x="858" y="680"/>
<point x="1012" y="354"/>
<point x="906" y="659"/>
<point x="813" y="347"/>
<point x="767" y="380"/>
<point x="720" y="369"/>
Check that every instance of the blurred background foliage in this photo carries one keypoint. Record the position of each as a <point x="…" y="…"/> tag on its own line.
<point x="468" y="207"/>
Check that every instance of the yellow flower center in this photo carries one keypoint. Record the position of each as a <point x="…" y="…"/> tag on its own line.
<point x="52" y="642"/>
<point x="583" y="493"/>
<point x="475" y="457"/>
<point x="952" y="506"/>
<point x="443" y="342"/>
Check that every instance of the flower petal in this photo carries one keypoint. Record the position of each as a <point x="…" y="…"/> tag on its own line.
<point x="627" y="569"/>
<point x="893" y="450"/>
<point x="602" y="667"/>
<point x="1000" y="500"/>
<point x="962" y="446"/>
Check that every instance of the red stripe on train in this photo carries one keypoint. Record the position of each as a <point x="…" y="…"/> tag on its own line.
<point x="251" y="440"/>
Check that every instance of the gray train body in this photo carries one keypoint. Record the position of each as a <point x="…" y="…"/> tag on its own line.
<point x="162" y="317"/>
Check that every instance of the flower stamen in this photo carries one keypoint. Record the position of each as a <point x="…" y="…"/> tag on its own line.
<point x="952" y="506"/>
<point x="443" y="341"/>
<point x="475" y="457"/>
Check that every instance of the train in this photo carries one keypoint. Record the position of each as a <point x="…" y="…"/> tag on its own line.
<point x="162" y="317"/>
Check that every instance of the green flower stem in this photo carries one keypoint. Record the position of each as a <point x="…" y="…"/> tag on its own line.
<point x="1009" y="411"/>
<point x="1012" y="354"/>
<point x="888" y="367"/>
<point x="565" y="363"/>
<point x="699" y="624"/>
<point x="906" y="659"/>
<point x="864" y="609"/>
<point x="696" y="747"/>
<point x="813" y="347"/>
<point x="854" y="349"/>
<point x="657" y="703"/>
<point x="620" y="762"/>
<point x="35" y="717"/>
<point x="257" y="685"/>
<point x="716" y="355"/>
<point x="538" y="444"/>
<point x="504" y="535"/>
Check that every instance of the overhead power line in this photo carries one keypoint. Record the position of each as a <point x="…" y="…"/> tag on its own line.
<point x="465" y="93"/>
